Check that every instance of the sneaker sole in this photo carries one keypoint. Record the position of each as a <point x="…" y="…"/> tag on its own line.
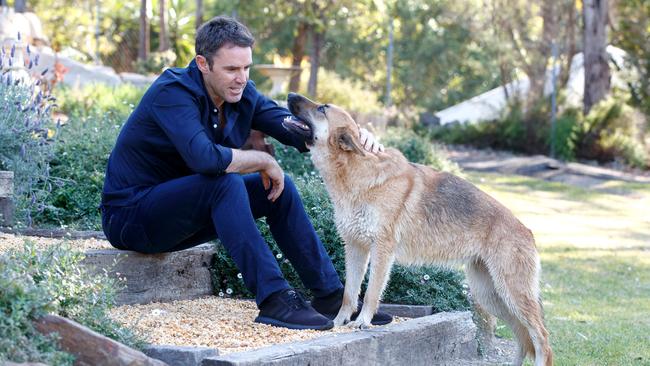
<point x="278" y="323"/>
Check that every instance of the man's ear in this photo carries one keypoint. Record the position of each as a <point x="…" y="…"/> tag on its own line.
<point x="347" y="143"/>
<point x="202" y="63"/>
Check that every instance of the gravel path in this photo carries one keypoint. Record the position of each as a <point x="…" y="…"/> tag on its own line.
<point x="13" y="241"/>
<point x="225" y="324"/>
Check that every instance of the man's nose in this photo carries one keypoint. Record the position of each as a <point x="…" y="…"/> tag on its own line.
<point x="242" y="77"/>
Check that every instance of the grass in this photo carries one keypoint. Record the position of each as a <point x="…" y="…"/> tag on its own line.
<point x="595" y="251"/>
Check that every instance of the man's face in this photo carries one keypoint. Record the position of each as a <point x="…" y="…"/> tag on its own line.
<point x="227" y="79"/>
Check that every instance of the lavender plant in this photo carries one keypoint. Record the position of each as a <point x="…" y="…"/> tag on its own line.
<point x="26" y="130"/>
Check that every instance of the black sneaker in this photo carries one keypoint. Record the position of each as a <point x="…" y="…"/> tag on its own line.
<point x="330" y="305"/>
<point x="288" y="309"/>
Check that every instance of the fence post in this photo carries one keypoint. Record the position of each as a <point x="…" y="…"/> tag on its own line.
<point x="6" y="198"/>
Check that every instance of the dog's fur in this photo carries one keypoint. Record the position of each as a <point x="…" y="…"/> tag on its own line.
<point x="387" y="209"/>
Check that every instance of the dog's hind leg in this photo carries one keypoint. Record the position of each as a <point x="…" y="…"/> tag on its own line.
<point x="516" y="283"/>
<point x="486" y="296"/>
<point x="356" y="264"/>
<point x="381" y="261"/>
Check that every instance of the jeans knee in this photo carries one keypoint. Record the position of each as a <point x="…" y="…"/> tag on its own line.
<point x="229" y="184"/>
<point x="290" y="188"/>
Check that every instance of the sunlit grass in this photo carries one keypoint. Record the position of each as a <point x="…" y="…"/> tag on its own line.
<point x="595" y="251"/>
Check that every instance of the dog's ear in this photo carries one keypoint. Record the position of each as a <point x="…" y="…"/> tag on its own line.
<point x="347" y="143"/>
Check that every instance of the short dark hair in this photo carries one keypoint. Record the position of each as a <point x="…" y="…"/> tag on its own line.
<point x="218" y="32"/>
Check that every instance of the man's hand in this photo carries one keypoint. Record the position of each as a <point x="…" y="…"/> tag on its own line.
<point x="248" y="161"/>
<point x="368" y="141"/>
<point x="273" y="177"/>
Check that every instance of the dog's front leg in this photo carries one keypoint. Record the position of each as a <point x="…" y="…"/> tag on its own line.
<point x="356" y="263"/>
<point x="381" y="261"/>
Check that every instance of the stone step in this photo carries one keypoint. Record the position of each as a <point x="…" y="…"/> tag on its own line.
<point x="439" y="339"/>
<point x="163" y="277"/>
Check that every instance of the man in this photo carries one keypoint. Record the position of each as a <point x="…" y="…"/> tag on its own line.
<point x="177" y="178"/>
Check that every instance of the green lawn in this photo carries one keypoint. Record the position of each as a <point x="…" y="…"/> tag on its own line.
<point x="595" y="250"/>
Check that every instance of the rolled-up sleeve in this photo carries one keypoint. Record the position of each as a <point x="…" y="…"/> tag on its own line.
<point x="268" y="118"/>
<point x="178" y="115"/>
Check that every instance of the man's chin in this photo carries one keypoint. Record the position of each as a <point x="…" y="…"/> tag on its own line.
<point x="234" y="98"/>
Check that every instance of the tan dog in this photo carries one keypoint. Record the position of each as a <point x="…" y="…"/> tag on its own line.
<point x="387" y="210"/>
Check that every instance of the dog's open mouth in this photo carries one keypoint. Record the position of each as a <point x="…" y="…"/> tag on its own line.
<point x="298" y="126"/>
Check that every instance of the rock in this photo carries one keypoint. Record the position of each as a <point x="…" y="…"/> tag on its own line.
<point x="6" y="198"/>
<point x="77" y="73"/>
<point x="156" y="277"/>
<point x="180" y="355"/>
<point x="89" y="347"/>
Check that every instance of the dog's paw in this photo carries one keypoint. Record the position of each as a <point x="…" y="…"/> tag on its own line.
<point x="358" y="324"/>
<point x="341" y="320"/>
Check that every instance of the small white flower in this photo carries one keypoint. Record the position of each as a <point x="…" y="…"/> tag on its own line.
<point x="278" y="256"/>
<point x="229" y="291"/>
<point x="464" y="292"/>
<point x="220" y="293"/>
<point x="157" y="312"/>
<point x="426" y="277"/>
<point x="239" y="275"/>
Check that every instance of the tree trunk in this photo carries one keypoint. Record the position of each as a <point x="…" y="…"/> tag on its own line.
<point x="144" y="46"/>
<point x="316" y="44"/>
<point x="199" y="13"/>
<point x="537" y="72"/>
<point x="597" y="75"/>
<point x="571" y="48"/>
<point x="164" y="39"/>
<point x="20" y="6"/>
<point x="298" y="52"/>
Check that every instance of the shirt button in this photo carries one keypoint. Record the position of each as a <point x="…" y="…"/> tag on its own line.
<point x="215" y="110"/>
<point x="214" y="125"/>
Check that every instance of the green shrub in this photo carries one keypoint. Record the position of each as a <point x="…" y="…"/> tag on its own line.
<point x="418" y="149"/>
<point x="79" y="166"/>
<point x="26" y="133"/>
<point x="353" y="96"/>
<point x="156" y="62"/>
<point x="37" y="282"/>
<point x="99" y="99"/>
<point x="612" y="130"/>
<point x="96" y="115"/>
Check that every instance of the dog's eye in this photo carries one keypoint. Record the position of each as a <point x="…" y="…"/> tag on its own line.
<point x="321" y="108"/>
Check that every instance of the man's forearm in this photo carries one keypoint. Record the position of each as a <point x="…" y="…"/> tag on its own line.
<point x="248" y="161"/>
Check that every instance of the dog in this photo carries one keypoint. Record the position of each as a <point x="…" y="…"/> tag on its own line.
<point x="390" y="210"/>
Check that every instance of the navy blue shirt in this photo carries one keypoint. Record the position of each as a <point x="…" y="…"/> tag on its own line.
<point x="175" y="131"/>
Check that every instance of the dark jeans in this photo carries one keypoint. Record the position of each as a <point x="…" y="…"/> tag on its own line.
<point x="191" y="210"/>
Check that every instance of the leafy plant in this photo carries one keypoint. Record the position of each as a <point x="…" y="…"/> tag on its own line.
<point x="26" y="134"/>
<point x="36" y="282"/>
